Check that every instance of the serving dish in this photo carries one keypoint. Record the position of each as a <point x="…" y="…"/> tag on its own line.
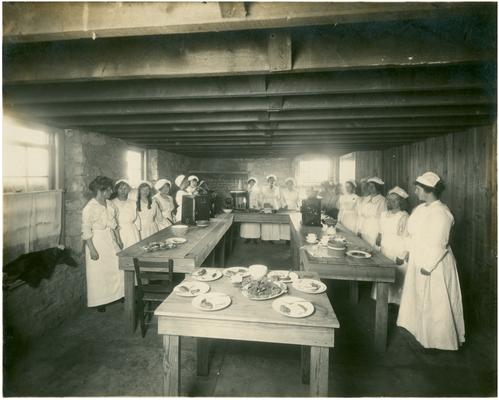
<point x="264" y="289"/>
<point x="359" y="254"/>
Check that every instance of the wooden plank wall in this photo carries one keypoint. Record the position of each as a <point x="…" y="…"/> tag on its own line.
<point x="467" y="162"/>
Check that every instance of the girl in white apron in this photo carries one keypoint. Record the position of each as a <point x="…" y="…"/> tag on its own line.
<point x="289" y="201"/>
<point x="105" y="281"/>
<point x="348" y="204"/>
<point x="270" y="197"/>
<point x="165" y="203"/>
<point x="392" y="238"/>
<point x="147" y="211"/>
<point x="193" y="181"/>
<point x="431" y="305"/>
<point x="370" y="210"/>
<point x="126" y="215"/>
<point x="251" y="231"/>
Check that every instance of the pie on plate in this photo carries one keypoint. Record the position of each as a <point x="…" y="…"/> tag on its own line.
<point x="311" y="286"/>
<point x="191" y="289"/>
<point x="294" y="307"/>
<point x="206" y="274"/>
<point x="211" y="301"/>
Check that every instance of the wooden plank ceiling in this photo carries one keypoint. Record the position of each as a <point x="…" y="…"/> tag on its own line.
<point x="262" y="79"/>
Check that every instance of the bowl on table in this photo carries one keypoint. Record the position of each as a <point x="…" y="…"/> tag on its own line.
<point x="203" y="223"/>
<point x="257" y="271"/>
<point x="179" y="230"/>
<point x="227" y="210"/>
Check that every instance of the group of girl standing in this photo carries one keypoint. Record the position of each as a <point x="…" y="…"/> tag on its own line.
<point x="427" y="284"/>
<point x="117" y="217"/>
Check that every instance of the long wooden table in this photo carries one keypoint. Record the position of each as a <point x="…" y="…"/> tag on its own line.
<point x="378" y="269"/>
<point x="201" y="243"/>
<point x="247" y="320"/>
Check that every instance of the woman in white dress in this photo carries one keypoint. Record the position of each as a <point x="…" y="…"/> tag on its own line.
<point x="431" y="305"/>
<point x="126" y="215"/>
<point x="290" y="200"/>
<point x="251" y="231"/>
<point x="370" y="210"/>
<point x="392" y="239"/>
<point x="270" y="197"/>
<point x="147" y="211"/>
<point x="165" y="203"/>
<point x="348" y="204"/>
<point x="105" y="281"/>
<point x="193" y="184"/>
<point x="182" y="184"/>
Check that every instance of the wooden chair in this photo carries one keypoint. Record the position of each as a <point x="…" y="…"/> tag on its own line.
<point x="152" y="287"/>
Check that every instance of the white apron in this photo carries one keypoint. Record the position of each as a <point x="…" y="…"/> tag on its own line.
<point x="431" y="306"/>
<point x="347" y="215"/>
<point x="147" y="220"/>
<point x="393" y="245"/>
<point x="105" y="281"/>
<point x="178" y="199"/>
<point x="291" y="200"/>
<point x="126" y="216"/>
<point x="251" y="230"/>
<point x="166" y="207"/>
<point x="272" y="197"/>
<point x="370" y="210"/>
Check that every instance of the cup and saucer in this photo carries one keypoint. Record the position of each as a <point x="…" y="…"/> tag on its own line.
<point x="311" y="238"/>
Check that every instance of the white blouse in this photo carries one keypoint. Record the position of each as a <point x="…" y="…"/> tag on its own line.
<point x="270" y="196"/>
<point x="290" y="198"/>
<point x="95" y="216"/>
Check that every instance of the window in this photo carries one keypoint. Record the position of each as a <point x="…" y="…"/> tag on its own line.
<point x="347" y="167"/>
<point x="313" y="172"/>
<point x="135" y="160"/>
<point x="29" y="158"/>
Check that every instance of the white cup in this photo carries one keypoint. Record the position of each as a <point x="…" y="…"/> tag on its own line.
<point x="311" y="237"/>
<point x="257" y="271"/>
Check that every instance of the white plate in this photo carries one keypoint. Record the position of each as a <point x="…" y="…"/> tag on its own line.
<point x="307" y="286"/>
<point x="211" y="274"/>
<point x="283" y="286"/>
<point x="284" y="276"/>
<point x="312" y="241"/>
<point x="218" y="300"/>
<point x="230" y="272"/>
<point x="298" y="307"/>
<point x="193" y="289"/>
<point x="176" y="240"/>
<point x="359" y="254"/>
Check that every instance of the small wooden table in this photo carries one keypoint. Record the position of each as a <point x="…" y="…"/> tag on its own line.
<point x="378" y="269"/>
<point x="248" y="320"/>
<point x="201" y="242"/>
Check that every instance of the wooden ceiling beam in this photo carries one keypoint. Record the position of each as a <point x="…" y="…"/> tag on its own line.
<point x="324" y="102"/>
<point x="308" y="115"/>
<point x="301" y="125"/>
<point x="342" y="82"/>
<point x="84" y="20"/>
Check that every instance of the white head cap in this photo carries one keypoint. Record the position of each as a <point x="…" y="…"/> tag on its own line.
<point x="252" y="178"/>
<point x="399" y="191"/>
<point x="145" y="182"/>
<point x="289" y="180"/>
<point x="122" y="180"/>
<point x="192" y="177"/>
<point x="352" y="182"/>
<point x="428" y="179"/>
<point x="377" y="180"/>
<point x="160" y="183"/>
<point x="179" y="179"/>
<point x="271" y="176"/>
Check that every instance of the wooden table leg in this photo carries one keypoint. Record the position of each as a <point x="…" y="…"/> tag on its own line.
<point x="354" y="292"/>
<point x="220" y="249"/>
<point x="211" y="260"/>
<point x="305" y="364"/>
<point x="130" y="299"/>
<point x="228" y="235"/>
<point x="381" y="328"/>
<point x="171" y="365"/>
<point x="235" y="232"/>
<point x="203" y="353"/>
<point x="319" y="370"/>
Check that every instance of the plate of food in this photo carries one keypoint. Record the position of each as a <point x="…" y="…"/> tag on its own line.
<point x="191" y="289"/>
<point x="311" y="286"/>
<point x="294" y="307"/>
<point x="359" y="253"/>
<point x="176" y="240"/>
<point x="155" y="246"/>
<point x="206" y="274"/>
<point x="283" y="276"/>
<point x="229" y="272"/>
<point x="211" y="301"/>
<point x="264" y="289"/>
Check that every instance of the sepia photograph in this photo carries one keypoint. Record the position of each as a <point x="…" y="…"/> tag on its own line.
<point x="249" y="199"/>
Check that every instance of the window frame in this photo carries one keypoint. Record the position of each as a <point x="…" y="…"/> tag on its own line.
<point x="143" y="161"/>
